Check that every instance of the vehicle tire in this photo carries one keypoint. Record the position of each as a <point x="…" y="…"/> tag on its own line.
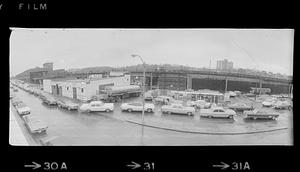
<point x="149" y="110"/>
<point x="88" y="111"/>
<point x="129" y="110"/>
<point x="107" y="110"/>
<point x="189" y="113"/>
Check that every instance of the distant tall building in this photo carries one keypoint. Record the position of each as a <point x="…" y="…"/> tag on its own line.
<point x="224" y="65"/>
<point x="48" y="66"/>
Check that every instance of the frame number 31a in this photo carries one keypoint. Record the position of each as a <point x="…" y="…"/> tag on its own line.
<point x="240" y="166"/>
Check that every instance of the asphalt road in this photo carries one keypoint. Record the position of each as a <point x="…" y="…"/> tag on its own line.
<point x="76" y="128"/>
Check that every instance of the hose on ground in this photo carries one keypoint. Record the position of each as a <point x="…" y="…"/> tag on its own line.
<point x="209" y="133"/>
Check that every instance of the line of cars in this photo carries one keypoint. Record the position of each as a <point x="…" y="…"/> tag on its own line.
<point x="33" y="124"/>
<point x="277" y="104"/>
<point x="252" y="113"/>
<point x="170" y="106"/>
<point x="50" y="100"/>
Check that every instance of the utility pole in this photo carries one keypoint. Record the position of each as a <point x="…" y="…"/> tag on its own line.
<point x="143" y="97"/>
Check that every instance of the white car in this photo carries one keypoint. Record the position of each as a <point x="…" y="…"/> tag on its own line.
<point x="217" y="112"/>
<point x="97" y="106"/>
<point x="269" y="102"/>
<point x="199" y="104"/>
<point x="163" y="99"/>
<point x="137" y="106"/>
<point x="22" y="109"/>
<point x="282" y="105"/>
<point x="178" y="109"/>
<point x="67" y="105"/>
<point x="232" y="94"/>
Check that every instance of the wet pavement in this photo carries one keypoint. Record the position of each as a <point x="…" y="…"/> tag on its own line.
<point x="76" y="128"/>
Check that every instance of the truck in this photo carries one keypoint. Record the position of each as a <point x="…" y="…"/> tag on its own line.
<point x="260" y="114"/>
<point x="116" y="93"/>
<point x="256" y="90"/>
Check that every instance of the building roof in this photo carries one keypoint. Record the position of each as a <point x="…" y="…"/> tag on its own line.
<point x="38" y="70"/>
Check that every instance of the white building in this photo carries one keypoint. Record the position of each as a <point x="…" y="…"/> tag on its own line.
<point x="224" y="65"/>
<point x="82" y="89"/>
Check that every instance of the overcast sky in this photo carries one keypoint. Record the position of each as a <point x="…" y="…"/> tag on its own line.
<point x="270" y="50"/>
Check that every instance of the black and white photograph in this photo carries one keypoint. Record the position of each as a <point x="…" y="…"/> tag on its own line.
<point x="150" y="87"/>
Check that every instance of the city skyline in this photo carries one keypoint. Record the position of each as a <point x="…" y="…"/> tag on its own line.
<point x="194" y="48"/>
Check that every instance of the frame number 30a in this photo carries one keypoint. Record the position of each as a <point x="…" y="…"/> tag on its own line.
<point x="240" y="166"/>
<point x="55" y="166"/>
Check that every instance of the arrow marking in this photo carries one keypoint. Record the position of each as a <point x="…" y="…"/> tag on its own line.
<point x="134" y="165"/>
<point x="34" y="165"/>
<point x="224" y="165"/>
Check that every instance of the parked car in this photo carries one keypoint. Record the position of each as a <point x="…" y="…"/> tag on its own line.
<point x="12" y="95"/>
<point x="249" y="95"/>
<point x="67" y="105"/>
<point x="282" y="105"/>
<point x="15" y="101"/>
<point x="178" y="109"/>
<point x="238" y="93"/>
<point x="49" y="100"/>
<point x="163" y="99"/>
<point x="232" y="94"/>
<point x="199" y="104"/>
<point x="97" y="106"/>
<point x="36" y="92"/>
<point x="149" y="98"/>
<point x="260" y="114"/>
<point x="30" y="90"/>
<point x="137" y="106"/>
<point x="22" y="109"/>
<point x="218" y="112"/>
<point x="34" y="125"/>
<point x="269" y="102"/>
<point x="240" y="107"/>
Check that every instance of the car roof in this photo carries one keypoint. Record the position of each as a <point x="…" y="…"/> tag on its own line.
<point x="219" y="108"/>
<point x="135" y="103"/>
<point x="21" y="105"/>
<point x="176" y="104"/>
<point x="96" y="102"/>
<point x="239" y="103"/>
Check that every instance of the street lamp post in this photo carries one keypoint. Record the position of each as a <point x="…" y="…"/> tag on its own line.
<point x="143" y="91"/>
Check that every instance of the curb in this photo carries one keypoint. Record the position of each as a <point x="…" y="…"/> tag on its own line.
<point x="207" y="133"/>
